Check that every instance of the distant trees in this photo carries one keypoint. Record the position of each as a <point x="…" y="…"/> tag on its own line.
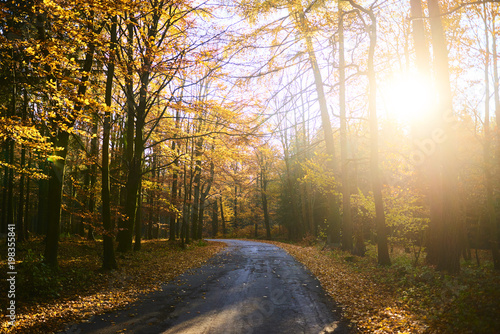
<point x="100" y="130"/>
<point x="336" y="44"/>
<point x="156" y="119"/>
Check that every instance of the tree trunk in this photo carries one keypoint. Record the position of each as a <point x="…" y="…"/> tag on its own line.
<point x="3" y="211"/>
<point x="94" y="153"/>
<point x="56" y="174"/>
<point x="293" y="228"/>
<point x="447" y="234"/>
<point x="175" y="177"/>
<point x="42" y="210"/>
<point x="215" y="218"/>
<point x="204" y="195"/>
<point x="346" y="189"/>
<point x="196" y="188"/>
<point x="27" y="206"/>
<point x="108" y="259"/>
<point x="20" y="213"/>
<point x="423" y="66"/>
<point x="56" y="180"/>
<point x="488" y="164"/>
<point x="125" y="226"/>
<point x="222" y="218"/>
<point x="173" y="215"/>
<point x="421" y="50"/>
<point x="264" y="202"/>
<point x="382" y="247"/>
<point x="138" y="220"/>
<point x="494" y="224"/>
<point x="10" y="186"/>
<point x="334" y="214"/>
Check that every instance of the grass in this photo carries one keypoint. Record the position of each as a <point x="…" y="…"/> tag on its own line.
<point x="46" y="300"/>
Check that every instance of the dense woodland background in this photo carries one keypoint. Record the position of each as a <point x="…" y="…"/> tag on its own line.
<point x="366" y="128"/>
<point x="125" y="120"/>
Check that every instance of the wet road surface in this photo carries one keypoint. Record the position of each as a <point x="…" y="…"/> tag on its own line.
<point x="250" y="287"/>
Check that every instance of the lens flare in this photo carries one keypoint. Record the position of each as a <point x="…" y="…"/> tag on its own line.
<point x="408" y="99"/>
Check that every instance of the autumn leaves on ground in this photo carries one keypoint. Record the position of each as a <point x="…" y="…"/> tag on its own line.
<point x="402" y="299"/>
<point x="47" y="300"/>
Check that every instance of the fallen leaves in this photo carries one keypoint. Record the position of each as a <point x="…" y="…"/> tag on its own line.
<point x="92" y="293"/>
<point x="404" y="299"/>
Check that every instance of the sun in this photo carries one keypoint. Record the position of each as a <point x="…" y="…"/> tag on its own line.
<point x="408" y="98"/>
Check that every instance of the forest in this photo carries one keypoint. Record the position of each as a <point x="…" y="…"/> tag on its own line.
<point x="364" y="127"/>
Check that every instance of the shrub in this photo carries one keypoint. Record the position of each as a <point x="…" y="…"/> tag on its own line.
<point x="38" y="280"/>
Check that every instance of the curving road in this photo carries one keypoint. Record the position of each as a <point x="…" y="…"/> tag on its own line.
<point x="250" y="287"/>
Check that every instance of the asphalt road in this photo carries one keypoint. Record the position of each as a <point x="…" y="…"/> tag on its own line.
<point x="250" y="287"/>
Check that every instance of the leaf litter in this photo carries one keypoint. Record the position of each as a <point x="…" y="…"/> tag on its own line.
<point x="86" y="291"/>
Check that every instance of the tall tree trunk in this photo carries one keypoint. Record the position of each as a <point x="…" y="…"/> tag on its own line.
<point x="56" y="179"/>
<point x="448" y="234"/>
<point x="204" y="195"/>
<point x="488" y="164"/>
<point x="235" y="207"/>
<point x="3" y="211"/>
<point x="124" y="236"/>
<point x="138" y="220"/>
<point x="42" y="210"/>
<point x="182" y="222"/>
<point x="94" y="154"/>
<point x="494" y="225"/>
<point x="108" y="259"/>
<point x="293" y="227"/>
<point x="10" y="185"/>
<point x="382" y="247"/>
<point x="421" y="50"/>
<point x="20" y="213"/>
<point x="149" y="233"/>
<point x="346" y="189"/>
<point x="27" y="224"/>
<point x="263" y="192"/>
<point x="334" y="213"/>
<point x="196" y="188"/>
<point x="173" y="215"/>
<point x="88" y="220"/>
<point x="10" y="149"/>
<point x="56" y="174"/>
<point x="151" y="192"/>
<point x="222" y="217"/>
<point x="215" y="218"/>
<point x="188" y="193"/>
<point x="423" y="67"/>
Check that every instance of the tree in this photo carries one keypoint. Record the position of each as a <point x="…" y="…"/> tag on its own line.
<point x="382" y="247"/>
<point x="108" y="261"/>
<point x="444" y="225"/>
<point x="60" y="122"/>
<point x="263" y="164"/>
<point x="305" y="31"/>
<point x="346" y="188"/>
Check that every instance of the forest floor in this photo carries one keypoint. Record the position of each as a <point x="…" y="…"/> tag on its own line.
<point x="403" y="298"/>
<point x="46" y="300"/>
<point x="406" y="298"/>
